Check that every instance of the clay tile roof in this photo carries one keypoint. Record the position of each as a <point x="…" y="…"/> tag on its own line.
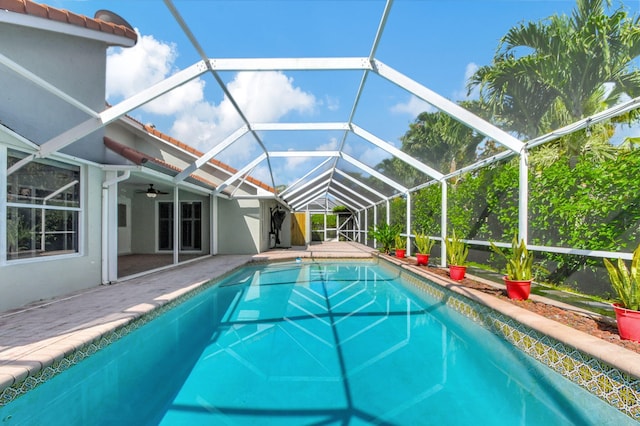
<point x="197" y="153"/>
<point x="28" y="7"/>
<point x="140" y="158"/>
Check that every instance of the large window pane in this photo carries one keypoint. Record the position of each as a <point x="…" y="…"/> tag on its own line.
<point x="43" y="208"/>
<point x="43" y="182"/>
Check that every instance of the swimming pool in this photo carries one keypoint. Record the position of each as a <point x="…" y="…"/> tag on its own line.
<point x="310" y="343"/>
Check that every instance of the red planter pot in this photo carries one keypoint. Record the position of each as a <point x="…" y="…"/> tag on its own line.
<point x="456" y="272"/>
<point x="518" y="290"/>
<point x="400" y="253"/>
<point x="422" y="259"/>
<point x="628" y="323"/>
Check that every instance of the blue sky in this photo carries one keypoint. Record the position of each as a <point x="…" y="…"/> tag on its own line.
<point x="438" y="43"/>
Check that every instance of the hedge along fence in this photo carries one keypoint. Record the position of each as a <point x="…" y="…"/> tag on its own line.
<point x="589" y="205"/>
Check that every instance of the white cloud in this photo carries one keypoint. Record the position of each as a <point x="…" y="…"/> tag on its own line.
<point x="412" y="107"/>
<point x="373" y="156"/>
<point x="332" y="103"/>
<point x="332" y="145"/>
<point x="196" y="121"/>
<point x="461" y="94"/>
<point x="133" y="69"/>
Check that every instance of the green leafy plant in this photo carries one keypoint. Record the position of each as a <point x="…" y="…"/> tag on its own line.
<point x="401" y="242"/>
<point x="457" y="250"/>
<point x="18" y="234"/>
<point x="519" y="260"/>
<point x="423" y="243"/>
<point x="385" y="235"/>
<point x="625" y="282"/>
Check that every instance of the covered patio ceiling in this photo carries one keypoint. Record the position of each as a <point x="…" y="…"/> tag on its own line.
<point x="323" y="174"/>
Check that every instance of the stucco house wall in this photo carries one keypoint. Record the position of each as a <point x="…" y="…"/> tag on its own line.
<point x="238" y="226"/>
<point x="37" y="279"/>
<point x="72" y="64"/>
<point x="75" y="65"/>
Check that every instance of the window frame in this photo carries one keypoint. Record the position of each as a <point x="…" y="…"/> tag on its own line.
<point x="5" y="205"/>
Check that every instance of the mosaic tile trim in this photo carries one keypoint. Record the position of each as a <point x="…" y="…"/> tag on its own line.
<point x="618" y="389"/>
<point x="18" y="389"/>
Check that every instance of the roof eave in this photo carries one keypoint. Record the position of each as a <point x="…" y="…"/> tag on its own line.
<point x="76" y="25"/>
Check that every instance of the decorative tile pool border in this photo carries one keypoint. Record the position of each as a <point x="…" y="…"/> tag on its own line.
<point x="618" y="389"/>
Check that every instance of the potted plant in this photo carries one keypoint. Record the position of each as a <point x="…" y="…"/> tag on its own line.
<point x="385" y="235"/>
<point x="424" y="244"/>
<point x="401" y="246"/>
<point x="457" y="252"/>
<point x="519" y="269"/>
<point x="626" y="284"/>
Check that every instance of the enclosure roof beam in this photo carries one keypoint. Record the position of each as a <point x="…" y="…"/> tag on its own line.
<point x="362" y="185"/>
<point x="374" y="173"/>
<point x="293" y="154"/>
<point x="322" y="187"/>
<point x="346" y="200"/>
<point x="309" y="183"/>
<point x="300" y="126"/>
<point x="396" y="152"/>
<point x="291" y="188"/>
<point x="105" y="117"/>
<point x="448" y="107"/>
<point x="204" y="158"/>
<point x="289" y="64"/>
<point x="28" y="75"/>
<point x="241" y="172"/>
<point x="350" y="191"/>
<point x="315" y="195"/>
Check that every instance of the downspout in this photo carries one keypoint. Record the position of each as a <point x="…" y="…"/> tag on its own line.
<point x="106" y="186"/>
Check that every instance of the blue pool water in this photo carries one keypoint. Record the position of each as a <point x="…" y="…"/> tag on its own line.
<point x="310" y="343"/>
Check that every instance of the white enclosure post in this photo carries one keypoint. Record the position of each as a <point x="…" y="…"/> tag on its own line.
<point x="443" y="225"/>
<point x="176" y="225"/>
<point x="408" y="223"/>
<point x="375" y="223"/>
<point x="325" y="225"/>
<point x="308" y="224"/>
<point x="213" y="224"/>
<point x="366" y="223"/>
<point x="388" y="212"/>
<point x="523" y="197"/>
<point x="110" y="227"/>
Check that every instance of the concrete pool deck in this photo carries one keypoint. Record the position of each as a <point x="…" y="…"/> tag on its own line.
<point x="37" y="336"/>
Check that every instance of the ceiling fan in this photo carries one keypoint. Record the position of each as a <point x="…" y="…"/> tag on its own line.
<point x="152" y="192"/>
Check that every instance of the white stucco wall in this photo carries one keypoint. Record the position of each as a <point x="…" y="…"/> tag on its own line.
<point x="31" y="280"/>
<point x="239" y="226"/>
<point x="74" y="65"/>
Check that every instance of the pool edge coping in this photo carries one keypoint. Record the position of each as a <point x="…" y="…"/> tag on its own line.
<point x="621" y="358"/>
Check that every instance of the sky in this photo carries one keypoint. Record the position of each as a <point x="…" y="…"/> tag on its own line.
<point x="438" y="43"/>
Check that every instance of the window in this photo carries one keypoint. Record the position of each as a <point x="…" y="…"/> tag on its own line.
<point x="190" y="225"/>
<point x="43" y="208"/>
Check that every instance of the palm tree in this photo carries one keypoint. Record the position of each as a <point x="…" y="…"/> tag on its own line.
<point x="551" y="73"/>
<point x="436" y="135"/>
